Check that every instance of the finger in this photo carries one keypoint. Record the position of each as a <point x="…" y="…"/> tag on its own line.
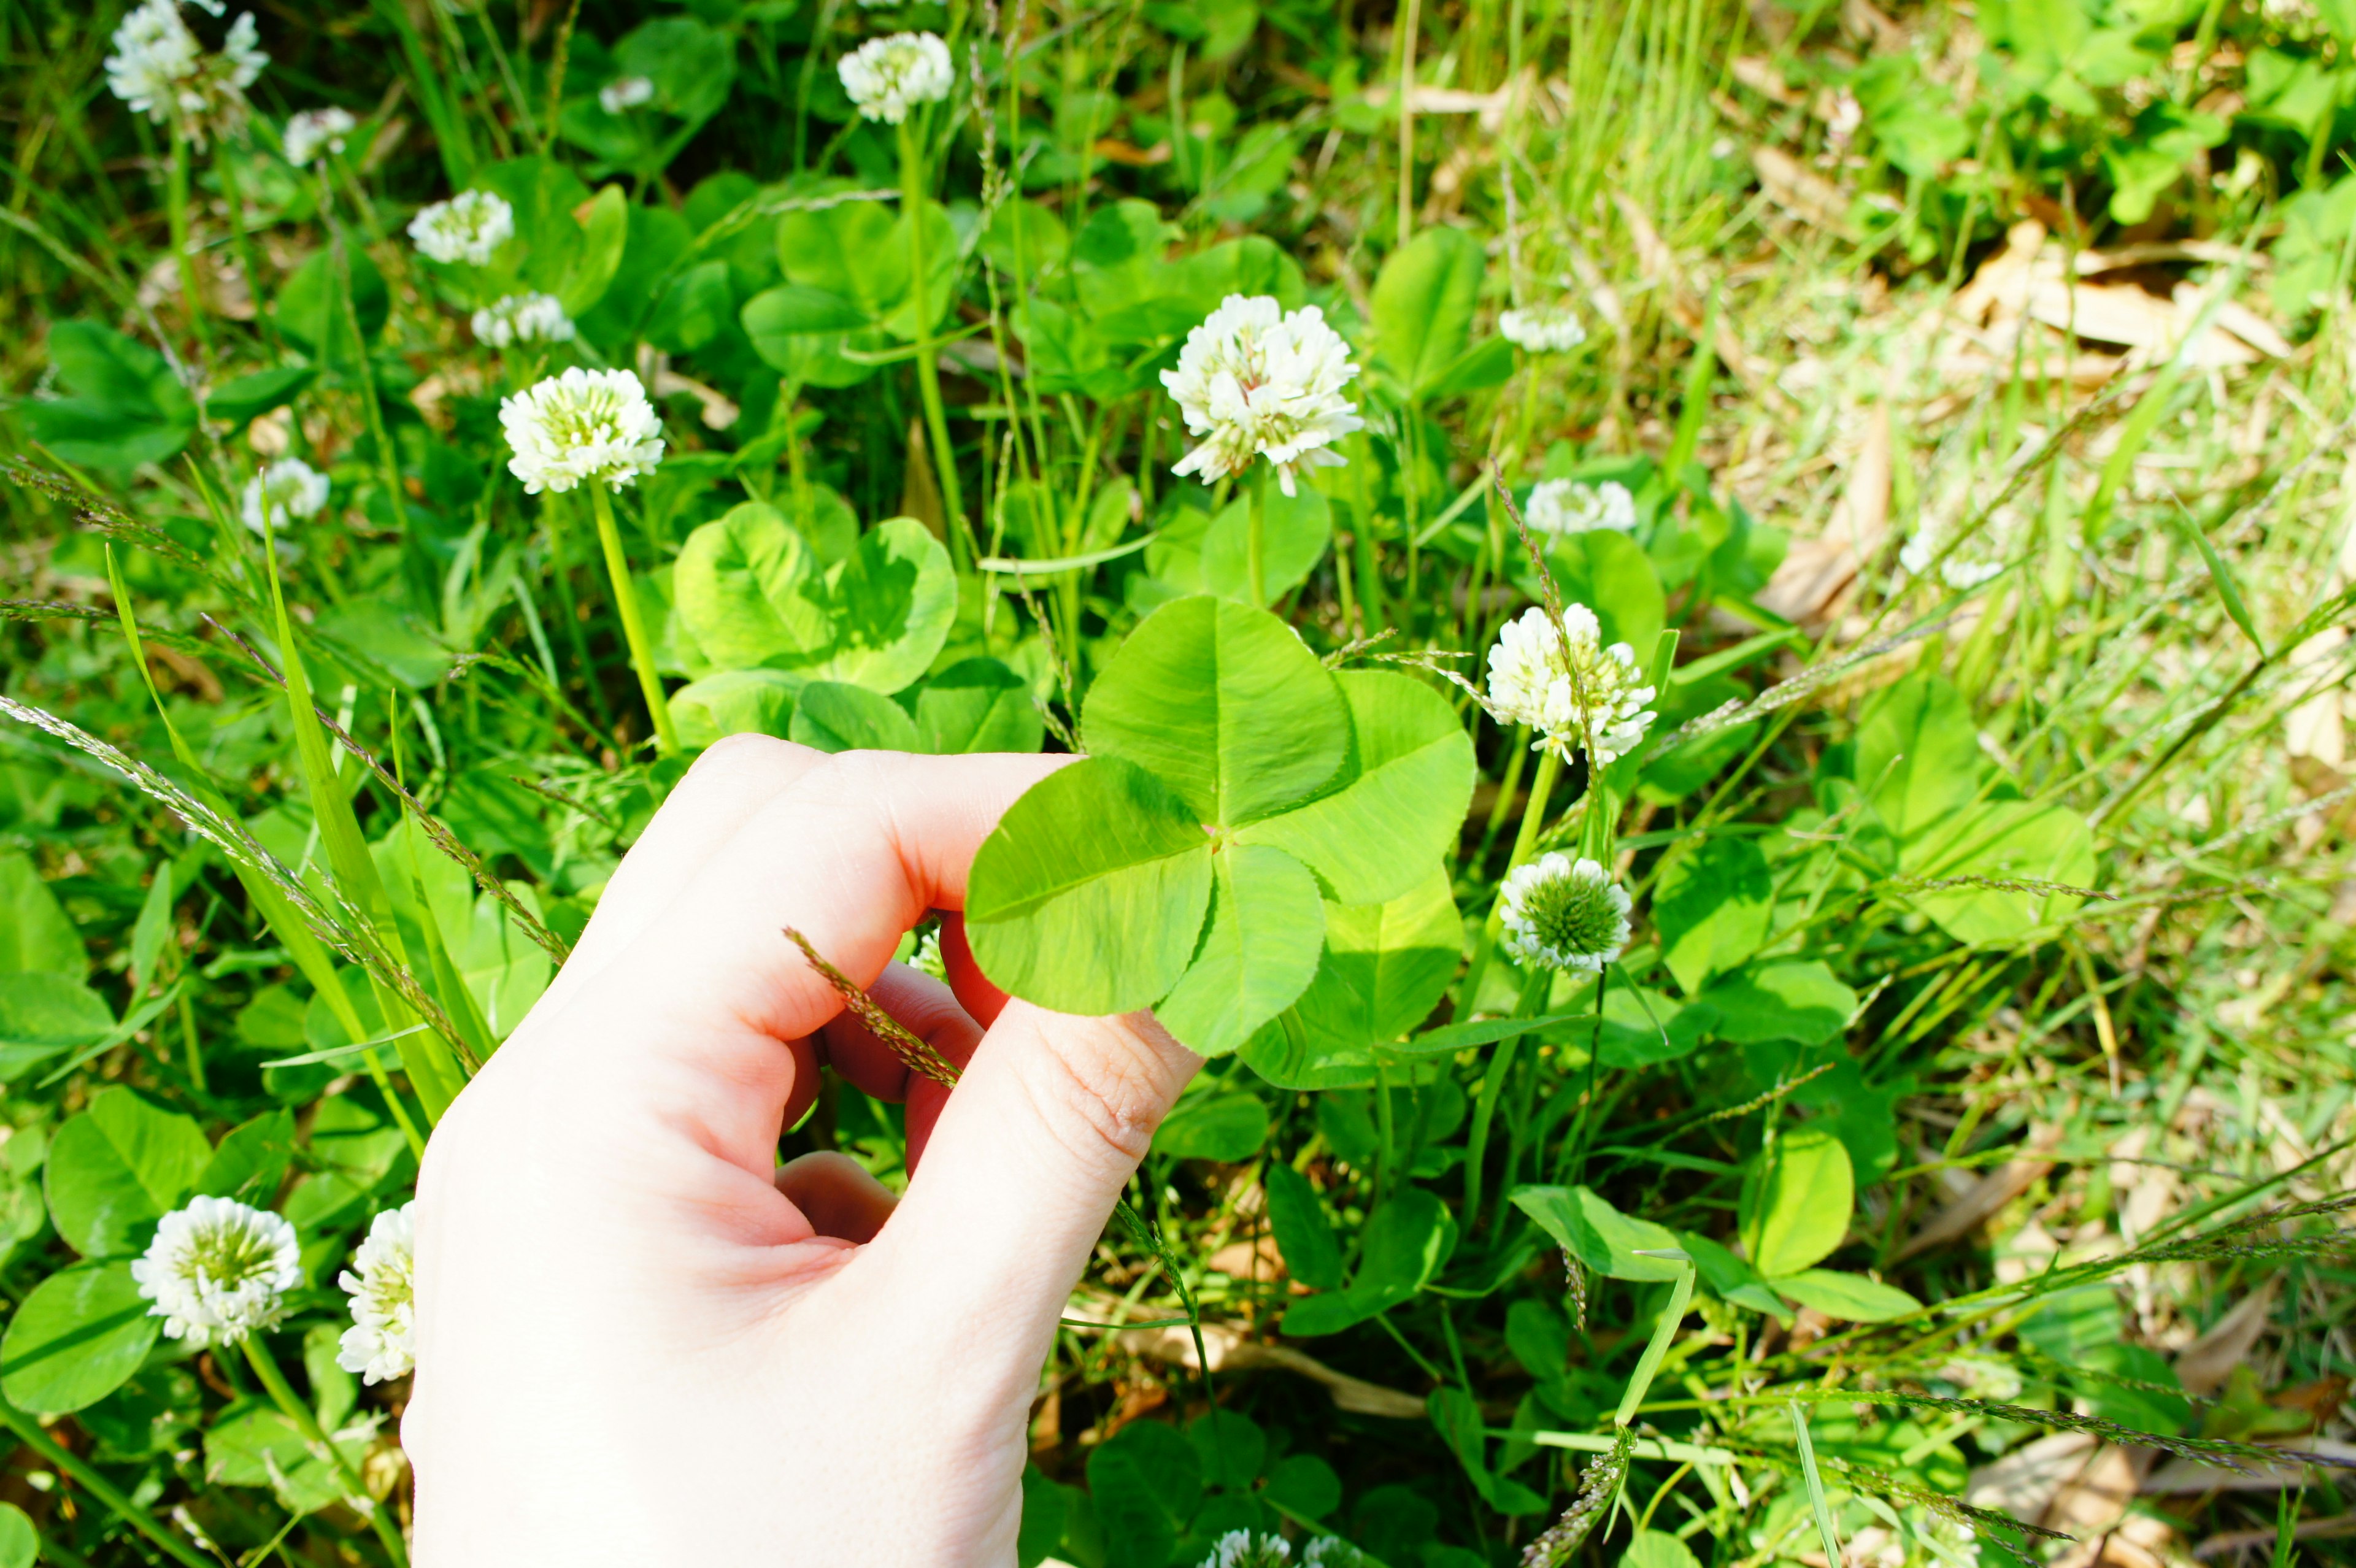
<point x="919" y="1004"/>
<point x="732" y="781"/>
<point x="974" y="989"/>
<point x="693" y="1017"/>
<point x="836" y="1194"/>
<point x="1025" y="1163"/>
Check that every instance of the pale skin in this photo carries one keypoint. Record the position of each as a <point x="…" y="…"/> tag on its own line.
<point x="639" y="1341"/>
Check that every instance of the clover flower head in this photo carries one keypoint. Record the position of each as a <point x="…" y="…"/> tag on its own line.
<point x="1917" y="554"/>
<point x="1543" y="330"/>
<point x="1255" y="379"/>
<point x="1332" y="1552"/>
<point x="888" y="77"/>
<point x="381" y="1343"/>
<point x="313" y="128"/>
<point x="218" y="1271"/>
<point x="1566" y="685"/>
<point x="521" y="318"/>
<point x="1569" y="506"/>
<point x="287" y="489"/>
<point x="160" y="70"/>
<point x="582" y="427"/>
<point x="470" y="226"/>
<point x="1564" y="913"/>
<point x="625" y="93"/>
<point x="1242" y="1549"/>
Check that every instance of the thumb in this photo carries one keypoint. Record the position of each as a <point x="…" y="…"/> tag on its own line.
<point x="1044" y="1130"/>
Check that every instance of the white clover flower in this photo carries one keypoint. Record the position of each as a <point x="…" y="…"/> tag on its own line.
<point x="523" y="318"/>
<point x="1917" y="553"/>
<point x="313" y="128"/>
<point x="242" y="49"/>
<point x="1564" y="913"/>
<point x="1542" y="329"/>
<point x="287" y="489"/>
<point x="584" y="426"/>
<point x="154" y="53"/>
<point x="1577" y="694"/>
<point x="160" y="70"/>
<point x="1332" y="1552"/>
<point x="470" y="226"/>
<point x="1568" y="506"/>
<point x="217" y="1271"/>
<point x="381" y="1343"/>
<point x="626" y="93"/>
<point x="1242" y="1549"/>
<point x="888" y="77"/>
<point x="1256" y="380"/>
<point x="928" y="956"/>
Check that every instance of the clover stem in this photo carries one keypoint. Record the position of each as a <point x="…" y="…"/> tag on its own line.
<point x="1492" y="1087"/>
<point x="1524" y="844"/>
<point x="176" y="204"/>
<point x="378" y="1517"/>
<point x="633" y="629"/>
<point x="928" y="366"/>
<point x="1256" y="547"/>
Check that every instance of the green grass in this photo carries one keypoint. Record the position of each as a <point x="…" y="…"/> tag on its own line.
<point x="1999" y="883"/>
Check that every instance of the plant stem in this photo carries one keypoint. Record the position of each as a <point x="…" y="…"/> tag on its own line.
<point x="1492" y="1087"/>
<point x="1255" y="548"/>
<point x="233" y="196"/>
<point x="1406" y="123"/>
<point x="633" y="629"/>
<point x="928" y="366"/>
<point x="195" y="1054"/>
<point x="176" y="203"/>
<point x="71" y="1464"/>
<point x="380" y="1518"/>
<point x="1524" y="842"/>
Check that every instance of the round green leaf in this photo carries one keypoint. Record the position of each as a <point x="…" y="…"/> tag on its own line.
<point x="1398" y="805"/>
<point x="1267" y="927"/>
<point x="978" y="705"/>
<point x="734" y="702"/>
<point x="1224" y="1128"/>
<point x="42" y="1015"/>
<point x="1851" y="1297"/>
<point x="891" y="603"/>
<point x="1659" y="1549"/>
<point x="1089" y="896"/>
<point x="20" y="1543"/>
<point x="1795" y="1201"/>
<point x="834" y="717"/>
<point x="1225" y="704"/>
<point x="117" y="1169"/>
<point x="1424" y="300"/>
<point x="1711" y="908"/>
<point x="1385" y="968"/>
<point x="744" y="587"/>
<point x="1605" y="1240"/>
<point x="35" y="933"/>
<point x="77" y="1339"/>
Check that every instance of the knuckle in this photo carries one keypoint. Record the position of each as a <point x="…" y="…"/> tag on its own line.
<point x="735" y="757"/>
<point x="1100" y="1087"/>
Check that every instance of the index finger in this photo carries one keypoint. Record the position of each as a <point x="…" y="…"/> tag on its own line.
<point x="695" y="1014"/>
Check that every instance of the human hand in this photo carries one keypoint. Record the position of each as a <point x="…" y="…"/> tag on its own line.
<point x="637" y="1342"/>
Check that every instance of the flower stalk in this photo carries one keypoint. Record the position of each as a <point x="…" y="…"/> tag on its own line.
<point x="380" y="1518"/>
<point x="176" y="204"/>
<point x="633" y="626"/>
<point x="929" y="360"/>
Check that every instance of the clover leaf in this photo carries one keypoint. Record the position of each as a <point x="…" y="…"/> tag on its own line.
<point x="1235" y="788"/>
